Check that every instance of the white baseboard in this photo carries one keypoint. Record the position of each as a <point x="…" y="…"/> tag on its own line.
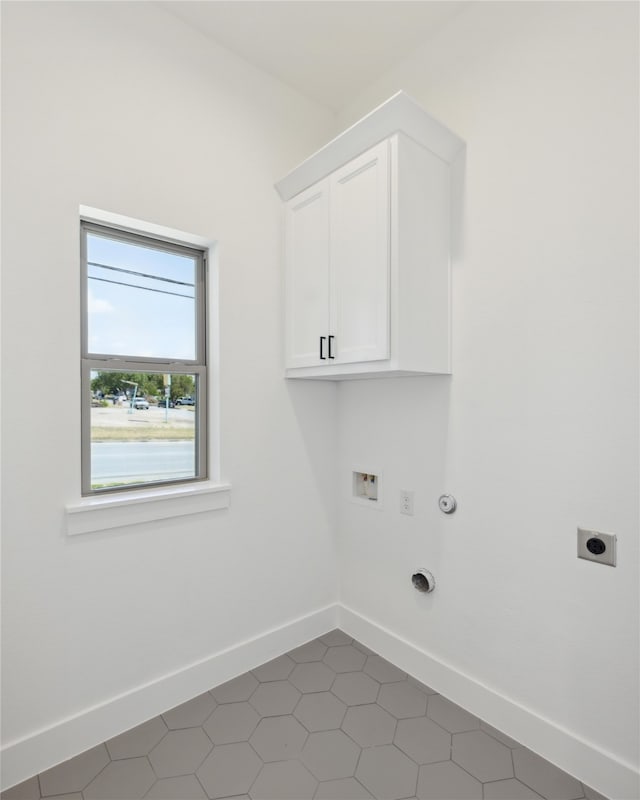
<point x="32" y="754"/>
<point x="587" y="762"/>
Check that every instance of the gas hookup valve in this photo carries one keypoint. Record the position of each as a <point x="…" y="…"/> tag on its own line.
<point x="447" y="503"/>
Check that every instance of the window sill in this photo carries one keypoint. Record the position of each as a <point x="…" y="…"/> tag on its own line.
<point x="93" y="514"/>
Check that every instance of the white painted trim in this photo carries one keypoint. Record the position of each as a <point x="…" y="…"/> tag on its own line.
<point x="592" y="765"/>
<point x="47" y="747"/>
<point x="101" y="513"/>
<point x="118" y="510"/>
<point x="102" y="217"/>
<point x="353" y="372"/>
<point x="64" y="739"/>
<point x="398" y="113"/>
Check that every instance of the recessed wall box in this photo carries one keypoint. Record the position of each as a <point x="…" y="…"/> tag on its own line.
<point x="366" y="487"/>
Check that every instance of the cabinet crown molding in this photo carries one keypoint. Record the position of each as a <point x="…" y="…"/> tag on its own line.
<point x="400" y="113"/>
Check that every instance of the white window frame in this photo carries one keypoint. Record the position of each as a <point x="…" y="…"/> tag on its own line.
<point x="146" y="502"/>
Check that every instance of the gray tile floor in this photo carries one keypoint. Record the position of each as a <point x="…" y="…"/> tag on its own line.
<point x="329" y="720"/>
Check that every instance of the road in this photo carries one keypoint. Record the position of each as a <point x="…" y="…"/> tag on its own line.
<point x="141" y="461"/>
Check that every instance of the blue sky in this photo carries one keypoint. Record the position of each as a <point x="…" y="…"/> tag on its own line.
<point x="132" y="320"/>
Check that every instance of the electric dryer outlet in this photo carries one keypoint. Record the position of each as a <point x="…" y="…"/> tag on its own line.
<point x="597" y="546"/>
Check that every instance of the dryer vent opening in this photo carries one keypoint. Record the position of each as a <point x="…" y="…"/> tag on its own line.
<point x="423" y="580"/>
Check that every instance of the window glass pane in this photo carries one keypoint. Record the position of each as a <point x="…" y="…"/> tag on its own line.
<point x="140" y="301"/>
<point x="142" y="428"/>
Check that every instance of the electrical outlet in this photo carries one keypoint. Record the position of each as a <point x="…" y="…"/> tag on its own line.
<point x="406" y="502"/>
<point x="597" y="546"/>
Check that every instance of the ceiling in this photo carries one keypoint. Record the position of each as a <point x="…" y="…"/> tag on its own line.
<point x="329" y="50"/>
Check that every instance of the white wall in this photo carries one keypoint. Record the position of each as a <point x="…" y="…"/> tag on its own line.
<point x="119" y="106"/>
<point x="536" y="431"/>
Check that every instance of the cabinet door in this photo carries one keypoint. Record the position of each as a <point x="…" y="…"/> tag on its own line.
<point x="307" y="279"/>
<point x="359" y="258"/>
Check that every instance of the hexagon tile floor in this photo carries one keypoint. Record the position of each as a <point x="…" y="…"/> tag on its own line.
<point x="329" y="720"/>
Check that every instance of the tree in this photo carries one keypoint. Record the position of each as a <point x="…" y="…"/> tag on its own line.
<point x="182" y="386"/>
<point x="149" y="383"/>
<point x="115" y="382"/>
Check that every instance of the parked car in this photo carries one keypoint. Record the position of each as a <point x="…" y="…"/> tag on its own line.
<point x="163" y="403"/>
<point x="140" y="402"/>
<point x="185" y="401"/>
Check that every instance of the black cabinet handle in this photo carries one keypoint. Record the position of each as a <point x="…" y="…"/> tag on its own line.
<point x="331" y="338"/>
<point x="322" y="356"/>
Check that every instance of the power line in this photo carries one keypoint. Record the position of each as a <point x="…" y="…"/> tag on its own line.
<point x="138" y="274"/>
<point x="146" y="288"/>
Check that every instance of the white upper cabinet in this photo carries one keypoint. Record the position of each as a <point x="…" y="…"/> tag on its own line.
<point x="307" y="276"/>
<point x="359" y="258"/>
<point x="367" y="250"/>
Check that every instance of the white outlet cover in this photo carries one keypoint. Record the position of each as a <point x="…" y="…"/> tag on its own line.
<point x="406" y="502"/>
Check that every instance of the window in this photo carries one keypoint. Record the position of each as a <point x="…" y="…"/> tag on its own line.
<point x="144" y="364"/>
